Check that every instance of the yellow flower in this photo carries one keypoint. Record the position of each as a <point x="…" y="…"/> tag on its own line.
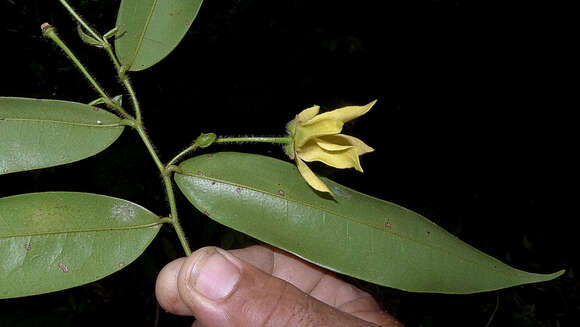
<point x="316" y="137"/>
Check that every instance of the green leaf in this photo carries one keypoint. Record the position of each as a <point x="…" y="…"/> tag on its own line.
<point x="58" y="240"/>
<point x="39" y="133"/>
<point x="150" y="29"/>
<point x="87" y="38"/>
<point x="353" y="234"/>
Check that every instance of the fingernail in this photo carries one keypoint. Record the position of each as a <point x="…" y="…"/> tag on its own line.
<point x="214" y="276"/>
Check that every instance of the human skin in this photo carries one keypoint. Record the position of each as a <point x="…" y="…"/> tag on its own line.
<point x="262" y="286"/>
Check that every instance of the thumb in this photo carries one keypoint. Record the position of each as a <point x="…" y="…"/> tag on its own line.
<point x="222" y="290"/>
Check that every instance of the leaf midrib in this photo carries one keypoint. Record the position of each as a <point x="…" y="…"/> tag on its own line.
<point x="142" y="36"/>
<point x="62" y="122"/>
<point x="86" y="230"/>
<point x="503" y="268"/>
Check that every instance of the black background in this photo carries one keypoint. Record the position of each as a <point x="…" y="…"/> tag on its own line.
<point x="473" y="128"/>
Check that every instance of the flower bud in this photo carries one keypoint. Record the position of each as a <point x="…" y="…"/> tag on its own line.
<point x="205" y="139"/>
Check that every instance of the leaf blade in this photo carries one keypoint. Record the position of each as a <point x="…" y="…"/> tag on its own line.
<point x="385" y="244"/>
<point x="56" y="240"/>
<point x="150" y="29"/>
<point x="39" y="133"/>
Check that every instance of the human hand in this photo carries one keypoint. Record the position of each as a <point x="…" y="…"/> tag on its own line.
<point x="262" y="286"/>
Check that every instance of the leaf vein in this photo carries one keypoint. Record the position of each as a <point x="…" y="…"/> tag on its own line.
<point x="63" y="122"/>
<point x="88" y="230"/>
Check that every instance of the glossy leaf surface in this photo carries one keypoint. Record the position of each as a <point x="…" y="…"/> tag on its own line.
<point x="150" y="29"/>
<point x="58" y="240"/>
<point x="353" y="234"/>
<point x="37" y="133"/>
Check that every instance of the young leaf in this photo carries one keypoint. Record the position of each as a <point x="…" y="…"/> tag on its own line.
<point x="39" y="133"/>
<point x="118" y="100"/>
<point x="58" y="240"/>
<point x="87" y="38"/>
<point x="353" y="234"/>
<point x="150" y="29"/>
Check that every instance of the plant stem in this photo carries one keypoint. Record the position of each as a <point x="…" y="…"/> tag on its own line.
<point x="174" y="218"/>
<point x="49" y="32"/>
<point x="136" y="123"/>
<point x="107" y="47"/>
<point x="169" y="168"/>
<point x="122" y="75"/>
<point x="132" y="94"/>
<point x="166" y="173"/>
<point x="81" y="21"/>
<point x="149" y="146"/>
<point x="164" y="220"/>
<point x="193" y="147"/>
<point x="181" y="154"/>
<point x="282" y="140"/>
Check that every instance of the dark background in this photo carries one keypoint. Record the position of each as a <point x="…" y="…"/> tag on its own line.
<point x="473" y="128"/>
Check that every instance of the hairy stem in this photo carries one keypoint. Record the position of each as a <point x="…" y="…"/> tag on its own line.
<point x="81" y="21"/>
<point x="181" y="154"/>
<point x="282" y="140"/>
<point x="124" y="79"/>
<point x="136" y="123"/>
<point x="166" y="173"/>
<point x="107" y="46"/>
<point x="49" y="32"/>
<point x="174" y="218"/>
<point x="109" y="50"/>
<point x="164" y="170"/>
<point x="149" y="146"/>
<point x="132" y="94"/>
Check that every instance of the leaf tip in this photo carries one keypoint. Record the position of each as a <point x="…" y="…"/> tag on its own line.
<point x="557" y="274"/>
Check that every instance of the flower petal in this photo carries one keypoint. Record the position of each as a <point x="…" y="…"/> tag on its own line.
<point x="330" y="146"/>
<point x="343" y="114"/>
<point x="345" y="140"/>
<point x="308" y="113"/>
<point x="311" y="178"/>
<point x="347" y="158"/>
<point x="325" y="127"/>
